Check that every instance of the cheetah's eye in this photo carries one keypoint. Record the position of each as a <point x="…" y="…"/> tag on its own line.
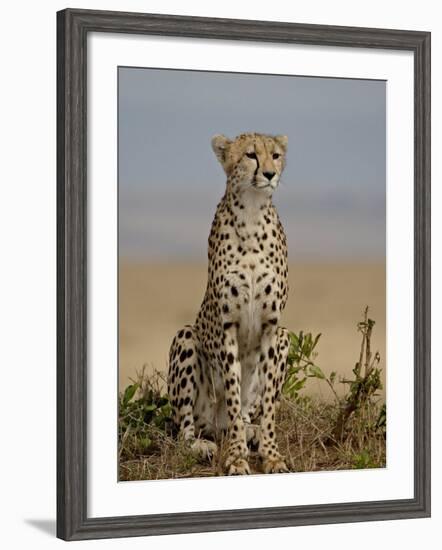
<point x="276" y="156"/>
<point x="251" y="155"/>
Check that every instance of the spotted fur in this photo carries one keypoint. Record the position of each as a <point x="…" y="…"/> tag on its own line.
<point x="226" y="371"/>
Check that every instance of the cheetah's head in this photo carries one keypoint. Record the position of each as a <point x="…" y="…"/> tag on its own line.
<point x="252" y="160"/>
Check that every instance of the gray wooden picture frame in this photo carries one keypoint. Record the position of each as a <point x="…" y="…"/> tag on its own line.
<point x="73" y="27"/>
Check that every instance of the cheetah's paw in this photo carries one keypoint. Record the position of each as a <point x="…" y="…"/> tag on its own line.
<point x="238" y="467"/>
<point x="275" y="466"/>
<point x="202" y="449"/>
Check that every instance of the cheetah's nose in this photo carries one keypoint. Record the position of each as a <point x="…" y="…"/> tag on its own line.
<point x="269" y="175"/>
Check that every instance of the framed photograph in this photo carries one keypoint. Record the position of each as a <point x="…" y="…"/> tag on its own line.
<point x="243" y="274"/>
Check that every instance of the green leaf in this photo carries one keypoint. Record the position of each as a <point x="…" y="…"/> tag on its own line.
<point x="316" y="372"/>
<point x="129" y="392"/>
<point x="145" y="442"/>
<point x="316" y="340"/>
<point x="166" y="410"/>
<point x="294" y="386"/>
<point x="363" y="460"/>
<point x="294" y="370"/>
<point x="299" y="385"/>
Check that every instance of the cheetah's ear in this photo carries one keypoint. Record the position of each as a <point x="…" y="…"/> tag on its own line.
<point x="220" y="145"/>
<point x="282" y="141"/>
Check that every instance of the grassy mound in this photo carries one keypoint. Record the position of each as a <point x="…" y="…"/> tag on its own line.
<point x="313" y="435"/>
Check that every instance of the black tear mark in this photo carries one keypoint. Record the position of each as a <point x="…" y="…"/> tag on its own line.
<point x="257" y="166"/>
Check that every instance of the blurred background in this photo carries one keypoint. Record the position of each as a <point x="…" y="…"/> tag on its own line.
<point x="331" y="202"/>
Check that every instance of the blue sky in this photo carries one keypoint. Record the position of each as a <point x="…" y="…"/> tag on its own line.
<point x="332" y="196"/>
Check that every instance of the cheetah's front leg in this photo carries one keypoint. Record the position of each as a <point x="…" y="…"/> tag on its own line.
<point x="236" y="462"/>
<point x="273" y="359"/>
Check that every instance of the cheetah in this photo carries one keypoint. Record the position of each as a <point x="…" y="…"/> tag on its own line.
<point x="226" y="370"/>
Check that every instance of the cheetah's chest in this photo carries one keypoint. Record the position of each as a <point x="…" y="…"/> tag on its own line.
<point x="256" y="301"/>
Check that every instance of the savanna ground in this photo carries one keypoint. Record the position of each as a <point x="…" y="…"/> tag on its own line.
<point x="156" y="299"/>
<point x="347" y="431"/>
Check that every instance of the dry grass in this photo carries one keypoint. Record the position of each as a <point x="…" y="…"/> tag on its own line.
<point x="304" y="432"/>
<point x="313" y="435"/>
